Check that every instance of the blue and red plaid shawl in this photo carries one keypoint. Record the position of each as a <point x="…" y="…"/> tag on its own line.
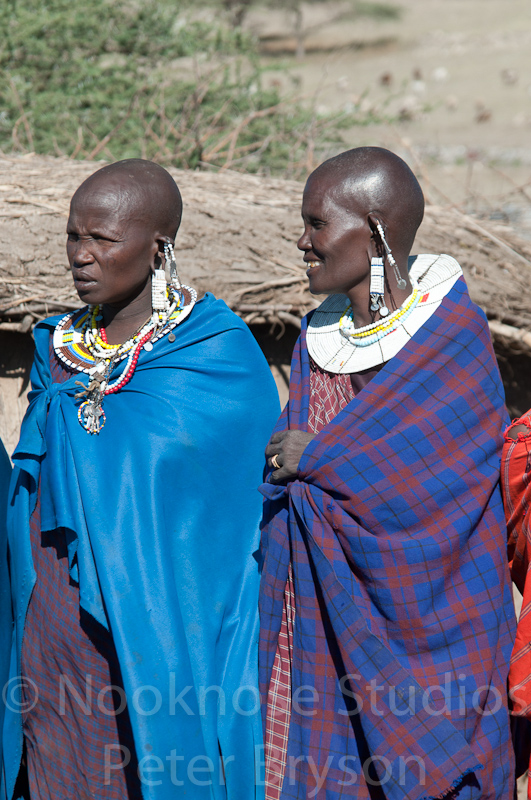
<point x="404" y="618"/>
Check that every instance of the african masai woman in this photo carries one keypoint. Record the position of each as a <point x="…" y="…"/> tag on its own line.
<point x="134" y="520"/>
<point x="386" y="610"/>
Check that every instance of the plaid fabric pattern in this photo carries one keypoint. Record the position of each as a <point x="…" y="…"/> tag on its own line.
<point x="404" y="619"/>
<point x="279" y="699"/>
<point x="72" y="662"/>
<point x="329" y="393"/>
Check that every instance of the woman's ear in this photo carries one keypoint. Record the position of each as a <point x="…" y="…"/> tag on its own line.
<point x="376" y="240"/>
<point x="158" y="255"/>
<point x="374" y="221"/>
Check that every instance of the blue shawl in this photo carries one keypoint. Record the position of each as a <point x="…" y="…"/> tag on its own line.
<point x="162" y="511"/>
<point x="6" y="620"/>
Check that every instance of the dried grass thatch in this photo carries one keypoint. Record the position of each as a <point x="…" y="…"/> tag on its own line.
<point x="238" y="240"/>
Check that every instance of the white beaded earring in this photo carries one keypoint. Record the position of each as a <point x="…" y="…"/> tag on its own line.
<point x="158" y="290"/>
<point x="377" y="287"/>
<point x="400" y="282"/>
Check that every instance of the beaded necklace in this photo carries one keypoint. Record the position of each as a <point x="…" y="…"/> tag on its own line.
<point x="369" y="334"/>
<point x="337" y="346"/>
<point x="80" y="342"/>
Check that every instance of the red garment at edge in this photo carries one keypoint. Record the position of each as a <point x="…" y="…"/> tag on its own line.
<point x="516" y="489"/>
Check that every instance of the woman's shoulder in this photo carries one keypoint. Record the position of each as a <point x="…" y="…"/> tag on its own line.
<point x="212" y="317"/>
<point x="49" y="324"/>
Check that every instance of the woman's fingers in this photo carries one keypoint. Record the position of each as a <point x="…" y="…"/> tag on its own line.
<point x="271" y="449"/>
<point x="513" y="431"/>
<point x="281" y="475"/>
<point x="275" y="462"/>
<point x="284" y="452"/>
<point x="275" y="443"/>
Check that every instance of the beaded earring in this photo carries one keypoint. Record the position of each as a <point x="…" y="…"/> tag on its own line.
<point x="158" y="290"/>
<point x="400" y="282"/>
<point x="377" y="287"/>
<point x="169" y="257"/>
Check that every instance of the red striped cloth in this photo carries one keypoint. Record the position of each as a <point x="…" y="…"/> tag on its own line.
<point x="279" y="699"/>
<point x="516" y="487"/>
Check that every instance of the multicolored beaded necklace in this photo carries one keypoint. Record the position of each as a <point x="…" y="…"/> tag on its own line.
<point x="80" y="342"/>
<point x="369" y="334"/>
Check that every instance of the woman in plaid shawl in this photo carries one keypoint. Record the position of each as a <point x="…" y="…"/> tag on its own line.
<point x="386" y="610"/>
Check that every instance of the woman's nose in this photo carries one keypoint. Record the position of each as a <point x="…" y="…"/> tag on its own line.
<point x="82" y="254"/>
<point x="304" y="242"/>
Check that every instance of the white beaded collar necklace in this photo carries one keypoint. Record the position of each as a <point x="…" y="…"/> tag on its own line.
<point x="431" y="275"/>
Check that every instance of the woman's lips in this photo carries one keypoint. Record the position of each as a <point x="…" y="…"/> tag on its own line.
<point x="82" y="278"/>
<point x="312" y="265"/>
<point x="82" y="284"/>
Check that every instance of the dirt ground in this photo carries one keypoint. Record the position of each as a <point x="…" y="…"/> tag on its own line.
<point x="455" y="75"/>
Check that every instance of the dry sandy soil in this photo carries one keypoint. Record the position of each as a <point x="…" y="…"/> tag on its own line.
<point x="467" y="61"/>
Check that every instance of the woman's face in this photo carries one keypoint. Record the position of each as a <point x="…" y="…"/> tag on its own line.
<point x="110" y="248"/>
<point x="336" y="241"/>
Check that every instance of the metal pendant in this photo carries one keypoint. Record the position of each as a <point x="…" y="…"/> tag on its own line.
<point x="91" y="416"/>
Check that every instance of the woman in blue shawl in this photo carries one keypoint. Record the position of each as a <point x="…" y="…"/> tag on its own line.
<point x="133" y="521"/>
<point x="386" y="610"/>
<point x="6" y="620"/>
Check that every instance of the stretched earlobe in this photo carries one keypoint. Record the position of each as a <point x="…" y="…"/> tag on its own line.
<point x="400" y="281"/>
<point x="169" y="258"/>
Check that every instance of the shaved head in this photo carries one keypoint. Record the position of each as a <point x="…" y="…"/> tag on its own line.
<point x="139" y="190"/>
<point x="372" y="180"/>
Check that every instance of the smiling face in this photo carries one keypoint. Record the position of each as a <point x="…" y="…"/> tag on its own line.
<point x="337" y="241"/>
<point x="111" y="248"/>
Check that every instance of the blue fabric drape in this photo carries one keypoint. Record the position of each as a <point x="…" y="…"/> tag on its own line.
<point x="6" y="619"/>
<point x="161" y="514"/>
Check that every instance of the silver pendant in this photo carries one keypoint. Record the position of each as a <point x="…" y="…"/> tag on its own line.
<point x="91" y="416"/>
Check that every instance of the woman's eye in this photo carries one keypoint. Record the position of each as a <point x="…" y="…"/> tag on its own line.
<point x="73" y="237"/>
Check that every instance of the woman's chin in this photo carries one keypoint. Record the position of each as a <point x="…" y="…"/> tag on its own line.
<point x="87" y="292"/>
<point x="317" y="288"/>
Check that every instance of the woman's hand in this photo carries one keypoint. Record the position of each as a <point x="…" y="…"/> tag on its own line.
<point x="284" y="452"/>
<point x="513" y="431"/>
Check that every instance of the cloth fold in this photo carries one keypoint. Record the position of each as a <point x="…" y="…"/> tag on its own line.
<point x="404" y="617"/>
<point x="6" y="617"/>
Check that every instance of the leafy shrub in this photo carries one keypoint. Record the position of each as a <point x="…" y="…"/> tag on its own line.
<point x="110" y="79"/>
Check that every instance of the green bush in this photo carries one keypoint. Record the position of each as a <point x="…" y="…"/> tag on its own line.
<point x="114" y="80"/>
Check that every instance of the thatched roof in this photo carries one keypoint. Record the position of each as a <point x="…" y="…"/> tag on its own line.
<point x="237" y="239"/>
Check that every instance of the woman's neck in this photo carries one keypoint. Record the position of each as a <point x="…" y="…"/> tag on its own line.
<point x="122" y="322"/>
<point x="360" y="302"/>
